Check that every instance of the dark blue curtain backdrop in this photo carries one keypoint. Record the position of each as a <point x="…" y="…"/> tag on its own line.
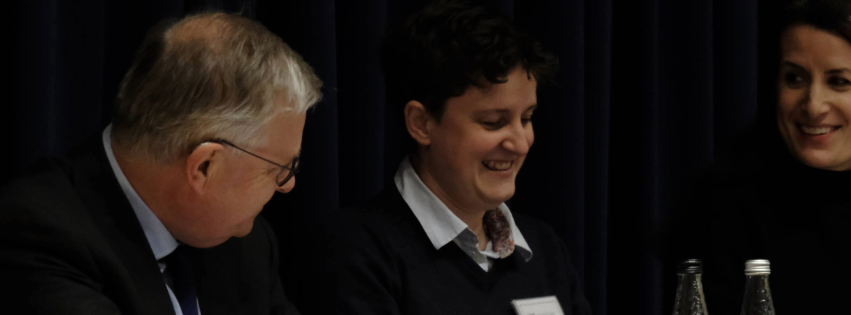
<point x="649" y="92"/>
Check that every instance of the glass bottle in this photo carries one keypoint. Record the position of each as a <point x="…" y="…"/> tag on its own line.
<point x="690" y="299"/>
<point x="757" y="300"/>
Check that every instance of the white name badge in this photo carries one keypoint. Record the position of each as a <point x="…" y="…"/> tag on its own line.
<point x="547" y="305"/>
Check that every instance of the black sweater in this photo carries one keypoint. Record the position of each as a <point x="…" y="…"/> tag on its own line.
<point x="767" y="205"/>
<point x="380" y="261"/>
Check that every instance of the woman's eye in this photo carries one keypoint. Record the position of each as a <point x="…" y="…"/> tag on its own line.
<point x="526" y="120"/>
<point x="838" y="82"/>
<point x="493" y="124"/>
<point x="793" y="80"/>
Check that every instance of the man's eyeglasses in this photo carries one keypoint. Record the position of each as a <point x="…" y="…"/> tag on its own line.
<point x="286" y="173"/>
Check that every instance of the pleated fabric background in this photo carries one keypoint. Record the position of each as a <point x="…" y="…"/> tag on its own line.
<point x="648" y="93"/>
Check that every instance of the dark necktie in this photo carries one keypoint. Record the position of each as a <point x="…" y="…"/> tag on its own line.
<point x="179" y="264"/>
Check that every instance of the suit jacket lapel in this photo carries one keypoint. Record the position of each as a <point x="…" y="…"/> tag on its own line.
<point x="101" y="193"/>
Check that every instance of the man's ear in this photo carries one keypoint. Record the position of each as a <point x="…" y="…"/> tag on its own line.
<point x="202" y="165"/>
<point x="417" y="120"/>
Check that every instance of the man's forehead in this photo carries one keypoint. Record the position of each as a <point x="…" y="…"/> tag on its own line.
<point x="286" y="134"/>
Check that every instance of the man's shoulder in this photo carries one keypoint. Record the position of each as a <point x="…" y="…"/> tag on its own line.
<point x="67" y="205"/>
<point x="55" y="237"/>
<point x="56" y="184"/>
<point x="44" y="192"/>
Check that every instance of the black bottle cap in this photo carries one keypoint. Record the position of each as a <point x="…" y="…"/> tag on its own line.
<point x="693" y="266"/>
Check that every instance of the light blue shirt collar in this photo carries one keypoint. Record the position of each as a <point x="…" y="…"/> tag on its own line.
<point x="161" y="241"/>
<point x="440" y="224"/>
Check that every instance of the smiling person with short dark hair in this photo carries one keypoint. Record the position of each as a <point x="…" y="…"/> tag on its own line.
<point x="441" y="239"/>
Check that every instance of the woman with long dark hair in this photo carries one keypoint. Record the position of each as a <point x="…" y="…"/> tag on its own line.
<point x="787" y="198"/>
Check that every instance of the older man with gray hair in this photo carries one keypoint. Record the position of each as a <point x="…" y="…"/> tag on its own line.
<point x="160" y="215"/>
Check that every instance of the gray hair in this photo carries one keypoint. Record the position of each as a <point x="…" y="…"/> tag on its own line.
<point x="208" y="76"/>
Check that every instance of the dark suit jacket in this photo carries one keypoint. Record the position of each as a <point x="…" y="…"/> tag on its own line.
<point x="70" y="243"/>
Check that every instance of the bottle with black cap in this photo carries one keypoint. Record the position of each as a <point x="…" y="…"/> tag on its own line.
<point x="690" y="299"/>
<point x="757" y="299"/>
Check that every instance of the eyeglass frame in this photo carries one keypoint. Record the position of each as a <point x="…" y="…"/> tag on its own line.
<point x="293" y="170"/>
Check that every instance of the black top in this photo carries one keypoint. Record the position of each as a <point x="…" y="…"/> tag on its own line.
<point x="381" y="261"/>
<point x="70" y="243"/>
<point x="767" y="205"/>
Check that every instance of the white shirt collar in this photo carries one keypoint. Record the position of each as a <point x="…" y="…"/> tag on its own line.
<point x="440" y="224"/>
<point x="161" y="241"/>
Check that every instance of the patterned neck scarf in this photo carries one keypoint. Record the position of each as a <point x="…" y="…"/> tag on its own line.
<point x="499" y="232"/>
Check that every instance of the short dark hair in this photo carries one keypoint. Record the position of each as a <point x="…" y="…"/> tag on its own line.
<point x="449" y="46"/>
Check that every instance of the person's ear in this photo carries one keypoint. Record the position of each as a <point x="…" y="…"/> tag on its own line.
<point x="418" y="121"/>
<point x="202" y="165"/>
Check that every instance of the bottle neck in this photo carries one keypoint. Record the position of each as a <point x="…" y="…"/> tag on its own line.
<point x="757" y="282"/>
<point x="692" y="278"/>
<point x="690" y="299"/>
<point x="757" y="300"/>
